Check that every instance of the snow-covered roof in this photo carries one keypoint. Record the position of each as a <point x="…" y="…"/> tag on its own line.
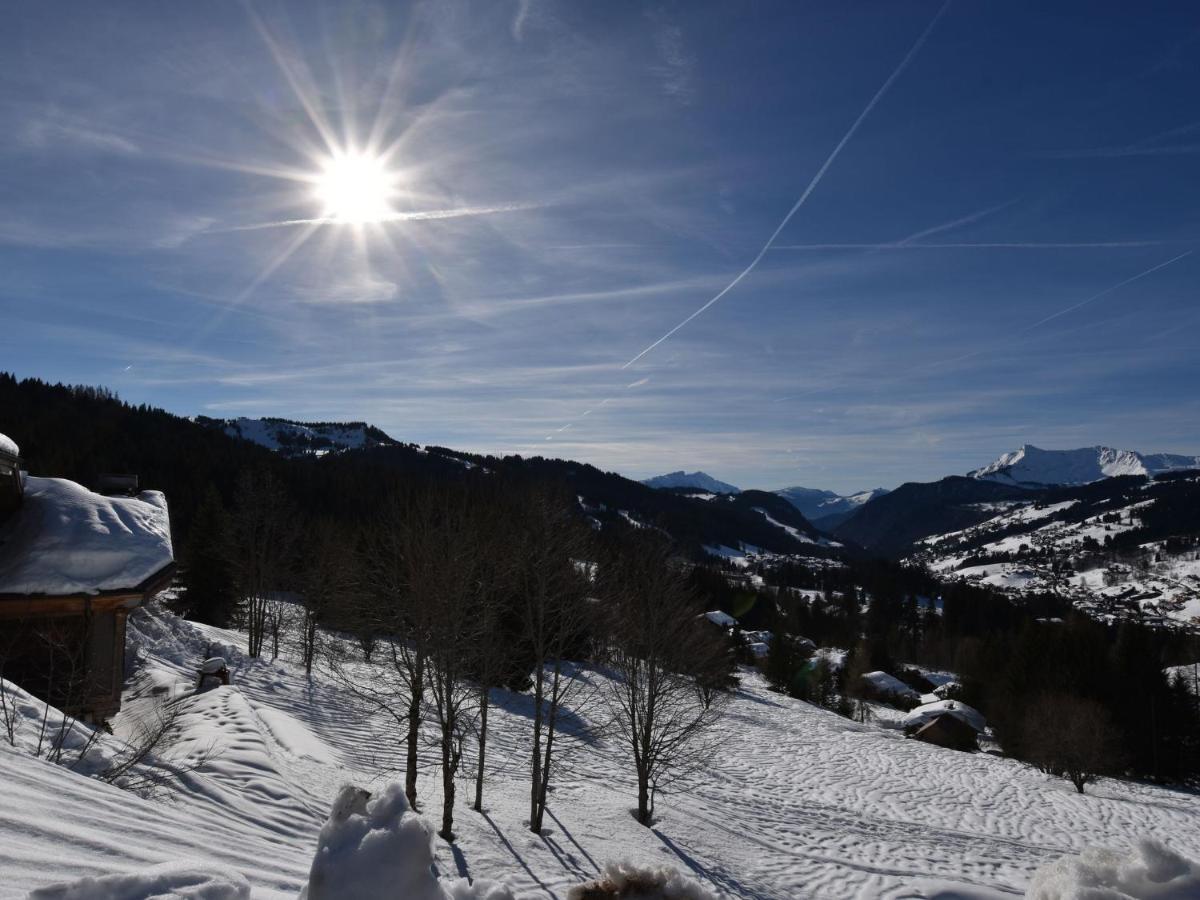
<point x="720" y="618"/>
<point x="889" y="684"/>
<point x="68" y="540"/>
<point x="948" y="687"/>
<point x="759" y="650"/>
<point x="9" y="446"/>
<point x="926" y="713"/>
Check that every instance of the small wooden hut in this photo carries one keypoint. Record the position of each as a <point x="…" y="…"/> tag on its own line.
<point x="73" y="564"/>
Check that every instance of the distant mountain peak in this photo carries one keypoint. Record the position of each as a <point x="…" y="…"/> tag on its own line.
<point x="817" y="504"/>
<point x="699" y="480"/>
<point x="1032" y="466"/>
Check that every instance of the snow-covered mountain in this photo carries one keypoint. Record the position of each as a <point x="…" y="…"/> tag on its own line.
<point x="1034" y="467"/>
<point x="699" y="480"/>
<point x="817" y="505"/>
<point x="301" y="438"/>
<point x="1116" y="549"/>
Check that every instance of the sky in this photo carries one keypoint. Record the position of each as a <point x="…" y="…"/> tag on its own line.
<point x="838" y="245"/>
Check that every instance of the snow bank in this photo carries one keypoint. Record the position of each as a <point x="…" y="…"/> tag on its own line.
<point x="9" y="446"/>
<point x="43" y="731"/>
<point x="624" y="881"/>
<point x="68" y="540"/>
<point x="182" y="880"/>
<point x="1151" y="871"/>
<point x="378" y="849"/>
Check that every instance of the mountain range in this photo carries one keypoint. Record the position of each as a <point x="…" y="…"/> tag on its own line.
<point x="1032" y="466"/>
<point x="827" y="509"/>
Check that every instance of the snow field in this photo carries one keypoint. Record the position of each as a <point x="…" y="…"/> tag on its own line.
<point x="799" y="802"/>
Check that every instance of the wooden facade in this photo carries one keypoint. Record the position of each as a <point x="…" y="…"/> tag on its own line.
<point x="70" y="650"/>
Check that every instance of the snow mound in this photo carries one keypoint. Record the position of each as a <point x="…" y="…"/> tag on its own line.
<point x="624" y="881"/>
<point x="183" y="880"/>
<point x="68" y="540"/>
<point x="378" y="849"/>
<point x="9" y="446"/>
<point x="1151" y="871"/>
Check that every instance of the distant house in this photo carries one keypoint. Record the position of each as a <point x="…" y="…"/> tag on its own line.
<point x="887" y="688"/>
<point x="947" y="723"/>
<point x="73" y="563"/>
<point x="720" y="619"/>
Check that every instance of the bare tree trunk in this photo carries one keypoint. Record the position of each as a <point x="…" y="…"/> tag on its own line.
<point x="643" y="813"/>
<point x="535" y="787"/>
<point x="483" y="717"/>
<point x="450" y="759"/>
<point x="414" y="730"/>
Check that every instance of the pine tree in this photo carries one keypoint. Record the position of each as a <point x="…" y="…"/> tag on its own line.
<point x="206" y="575"/>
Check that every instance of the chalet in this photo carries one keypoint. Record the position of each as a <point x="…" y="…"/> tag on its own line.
<point x="73" y="564"/>
<point x="946" y="723"/>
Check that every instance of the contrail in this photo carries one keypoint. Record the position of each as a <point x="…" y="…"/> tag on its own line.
<point x="816" y="179"/>
<point x="414" y="216"/>
<point x="1061" y="312"/>
<point x="1105" y="292"/>
<point x="977" y="245"/>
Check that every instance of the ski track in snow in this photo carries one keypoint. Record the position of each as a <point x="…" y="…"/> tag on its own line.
<point x="799" y="803"/>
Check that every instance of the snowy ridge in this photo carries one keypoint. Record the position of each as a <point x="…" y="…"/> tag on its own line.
<point x="302" y="438"/>
<point x="1032" y="466"/>
<point x="817" y="504"/>
<point x="699" y="480"/>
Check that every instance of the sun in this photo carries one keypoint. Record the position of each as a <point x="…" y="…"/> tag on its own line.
<point x="357" y="188"/>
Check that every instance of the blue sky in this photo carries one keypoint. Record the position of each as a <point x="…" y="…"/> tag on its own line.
<point x="998" y="253"/>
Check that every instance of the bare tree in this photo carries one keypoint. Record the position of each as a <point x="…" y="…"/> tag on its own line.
<point x="491" y="654"/>
<point x="263" y="539"/>
<point x="328" y="583"/>
<point x="553" y="588"/>
<point x="444" y="573"/>
<point x="394" y="608"/>
<point x="1070" y="737"/>
<point x="656" y="647"/>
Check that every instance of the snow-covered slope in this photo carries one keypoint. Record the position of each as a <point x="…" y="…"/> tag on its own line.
<point x="699" y="480"/>
<point x="302" y="438"/>
<point x="1117" y="549"/>
<point x="818" y="504"/>
<point x="799" y="804"/>
<point x="1032" y="466"/>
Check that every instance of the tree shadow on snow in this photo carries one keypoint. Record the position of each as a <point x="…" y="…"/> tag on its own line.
<point x="713" y="876"/>
<point x="517" y="856"/>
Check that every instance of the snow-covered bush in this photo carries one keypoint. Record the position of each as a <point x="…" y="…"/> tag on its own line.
<point x="624" y="881"/>
<point x="378" y="849"/>
<point x="1151" y="871"/>
<point x="190" y="880"/>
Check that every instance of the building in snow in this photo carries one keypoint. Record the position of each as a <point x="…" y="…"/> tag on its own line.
<point x="73" y="564"/>
<point x="947" y="723"/>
